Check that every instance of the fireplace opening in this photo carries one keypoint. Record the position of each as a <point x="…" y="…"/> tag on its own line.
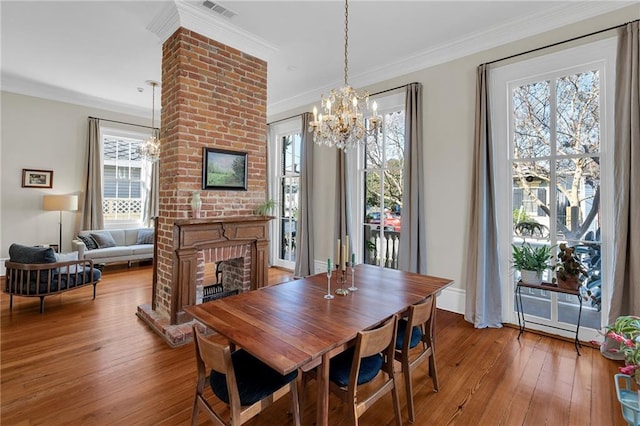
<point x="221" y="279"/>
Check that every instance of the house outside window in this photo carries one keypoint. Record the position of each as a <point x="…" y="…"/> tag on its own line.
<point x="125" y="179"/>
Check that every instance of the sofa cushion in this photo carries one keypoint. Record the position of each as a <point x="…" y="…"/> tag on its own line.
<point x="27" y="254"/>
<point x="67" y="257"/>
<point x="145" y="236"/>
<point x="104" y="239"/>
<point x="138" y="249"/>
<point x="88" y="241"/>
<point x="104" y="253"/>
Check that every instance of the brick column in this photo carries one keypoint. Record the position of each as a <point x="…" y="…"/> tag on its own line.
<point x="212" y="96"/>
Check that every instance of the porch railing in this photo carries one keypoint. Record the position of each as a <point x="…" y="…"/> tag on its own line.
<point x="381" y="249"/>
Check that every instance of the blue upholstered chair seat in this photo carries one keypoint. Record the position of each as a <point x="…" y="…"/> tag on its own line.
<point x="341" y="368"/>
<point x="416" y="335"/>
<point x="255" y="379"/>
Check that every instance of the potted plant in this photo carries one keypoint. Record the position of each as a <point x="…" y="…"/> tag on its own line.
<point x="568" y="268"/>
<point x="531" y="261"/>
<point x="626" y="332"/>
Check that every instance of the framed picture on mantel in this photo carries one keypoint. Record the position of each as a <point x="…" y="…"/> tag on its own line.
<point x="223" y="169"/>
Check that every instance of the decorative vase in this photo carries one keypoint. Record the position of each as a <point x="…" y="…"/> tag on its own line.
<point x="196" y="204"/>
<point x="569" y="283"/>
<point x="531" y="277"/>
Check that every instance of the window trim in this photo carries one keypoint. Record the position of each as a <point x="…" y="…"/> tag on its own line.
<point x="535" y="69"/>
<point x="276" y="131"/>
<point x="144" y="173"/>
<point x="356" y="172"/>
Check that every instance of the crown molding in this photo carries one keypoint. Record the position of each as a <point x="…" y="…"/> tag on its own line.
<point x="196" y="18"/>
<point x="497" y="36"/>
<point x="166" y="22"/>
<point x="16" y="84"/>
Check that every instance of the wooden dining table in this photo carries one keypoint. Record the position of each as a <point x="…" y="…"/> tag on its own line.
<point x="291" y="325"/>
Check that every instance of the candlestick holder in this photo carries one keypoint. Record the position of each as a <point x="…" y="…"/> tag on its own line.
<point x="329" y="295"/>
<point x="343" y="279"/>
<point x="353" y="287"/>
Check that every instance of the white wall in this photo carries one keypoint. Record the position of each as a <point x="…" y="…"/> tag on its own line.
<point x="45" y="135"/>
<point x="449" y="103"/>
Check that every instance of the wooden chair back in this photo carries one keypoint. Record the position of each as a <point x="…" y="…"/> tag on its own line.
<point x="421" y="315"/>
<point x="368" y="343"/>
<point x="212" y="355"/>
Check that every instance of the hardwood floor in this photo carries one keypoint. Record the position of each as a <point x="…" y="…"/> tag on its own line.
<point x="94" y="362"/>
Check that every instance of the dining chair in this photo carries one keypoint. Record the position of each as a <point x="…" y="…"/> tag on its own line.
<point x="245" y="384"/>
<point x="414" y="343"/>
<point x="361" y="364"/>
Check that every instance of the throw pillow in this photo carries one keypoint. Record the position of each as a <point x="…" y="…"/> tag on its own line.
<point x="88" y="241"/>
<point x="104" y="239"/>
<point x="67" y="257"/>
<point x="27" y="254"/>
<point x="145" y="236"/>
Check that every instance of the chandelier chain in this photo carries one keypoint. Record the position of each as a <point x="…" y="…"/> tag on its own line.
<point x="341" y="121"/>
<point x="346" y="41"/>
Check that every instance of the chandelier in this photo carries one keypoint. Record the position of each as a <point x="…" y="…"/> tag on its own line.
<point x="341" y="122"/>
<point x="150" y="149"/>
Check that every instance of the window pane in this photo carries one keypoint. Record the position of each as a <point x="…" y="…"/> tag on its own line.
<point x="531" y="109"/>
<point x="287" y="148"/>
<point x="530" y="199"/>
<point x="577" y="189"/>
<point x="578" y="113"/>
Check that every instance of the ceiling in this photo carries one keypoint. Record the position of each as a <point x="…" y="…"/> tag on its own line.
<point x="101" y="53"/>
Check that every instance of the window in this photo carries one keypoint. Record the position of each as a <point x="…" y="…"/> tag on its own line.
<point x="556" y="145"/>
<point x="125" y="178"/>
<point x="383" y="163"/>
<point x="285" y="174"/>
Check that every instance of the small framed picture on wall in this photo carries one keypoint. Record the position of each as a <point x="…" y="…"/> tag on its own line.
<point x="37" y="178"/>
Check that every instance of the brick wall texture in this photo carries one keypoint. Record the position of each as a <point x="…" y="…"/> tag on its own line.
<point x="212" y="96"/>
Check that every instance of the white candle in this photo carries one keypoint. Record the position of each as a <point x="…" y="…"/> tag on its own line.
<point x="346" y="249"/>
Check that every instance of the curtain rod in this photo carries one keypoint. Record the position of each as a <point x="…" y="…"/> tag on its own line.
<point x="373" y="94"/>
<point x="124" y="122"/>
<point x="559" y="42"/>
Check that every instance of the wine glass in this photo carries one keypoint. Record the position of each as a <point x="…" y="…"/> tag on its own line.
<point x="353" y="276"/>
<point x="329" y="295"/>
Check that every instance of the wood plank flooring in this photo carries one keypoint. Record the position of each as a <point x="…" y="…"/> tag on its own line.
<point x="94" y="362"/>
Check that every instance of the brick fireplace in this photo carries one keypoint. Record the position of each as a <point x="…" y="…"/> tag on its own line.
<point x="213" y="96"/>
<point x="198" y="242"/>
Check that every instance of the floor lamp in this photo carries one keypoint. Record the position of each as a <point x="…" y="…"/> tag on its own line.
<point x="60" y="203"/>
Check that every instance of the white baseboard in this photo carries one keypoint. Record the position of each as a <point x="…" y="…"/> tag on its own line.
<point x="3" y="270"/>
<point x="452" y="300"/>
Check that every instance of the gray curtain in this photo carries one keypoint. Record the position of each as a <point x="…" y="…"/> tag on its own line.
<point x="483" y="294"/>
<point x="625" y="298"/>
<point x="91" y="215"/>
<point x="152" y="200"/>
<point x="304" y="231"/>
<point x="412" y="253"/>
<point x="342" y="212"/>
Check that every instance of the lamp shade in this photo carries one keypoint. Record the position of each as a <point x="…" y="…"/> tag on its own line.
<point x="60" y="202"/>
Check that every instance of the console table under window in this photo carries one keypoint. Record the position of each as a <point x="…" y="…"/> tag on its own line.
<point x="552" y="288"/>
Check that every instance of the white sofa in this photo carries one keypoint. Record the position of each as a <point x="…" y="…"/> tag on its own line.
<point x="130" y="244"/>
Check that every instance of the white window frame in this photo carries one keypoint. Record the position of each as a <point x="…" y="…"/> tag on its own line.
<point x="601" y="55"/>
<point x="276" y="132"/>
<point x="145" y="174"/>
<point x="356" y="173"/>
